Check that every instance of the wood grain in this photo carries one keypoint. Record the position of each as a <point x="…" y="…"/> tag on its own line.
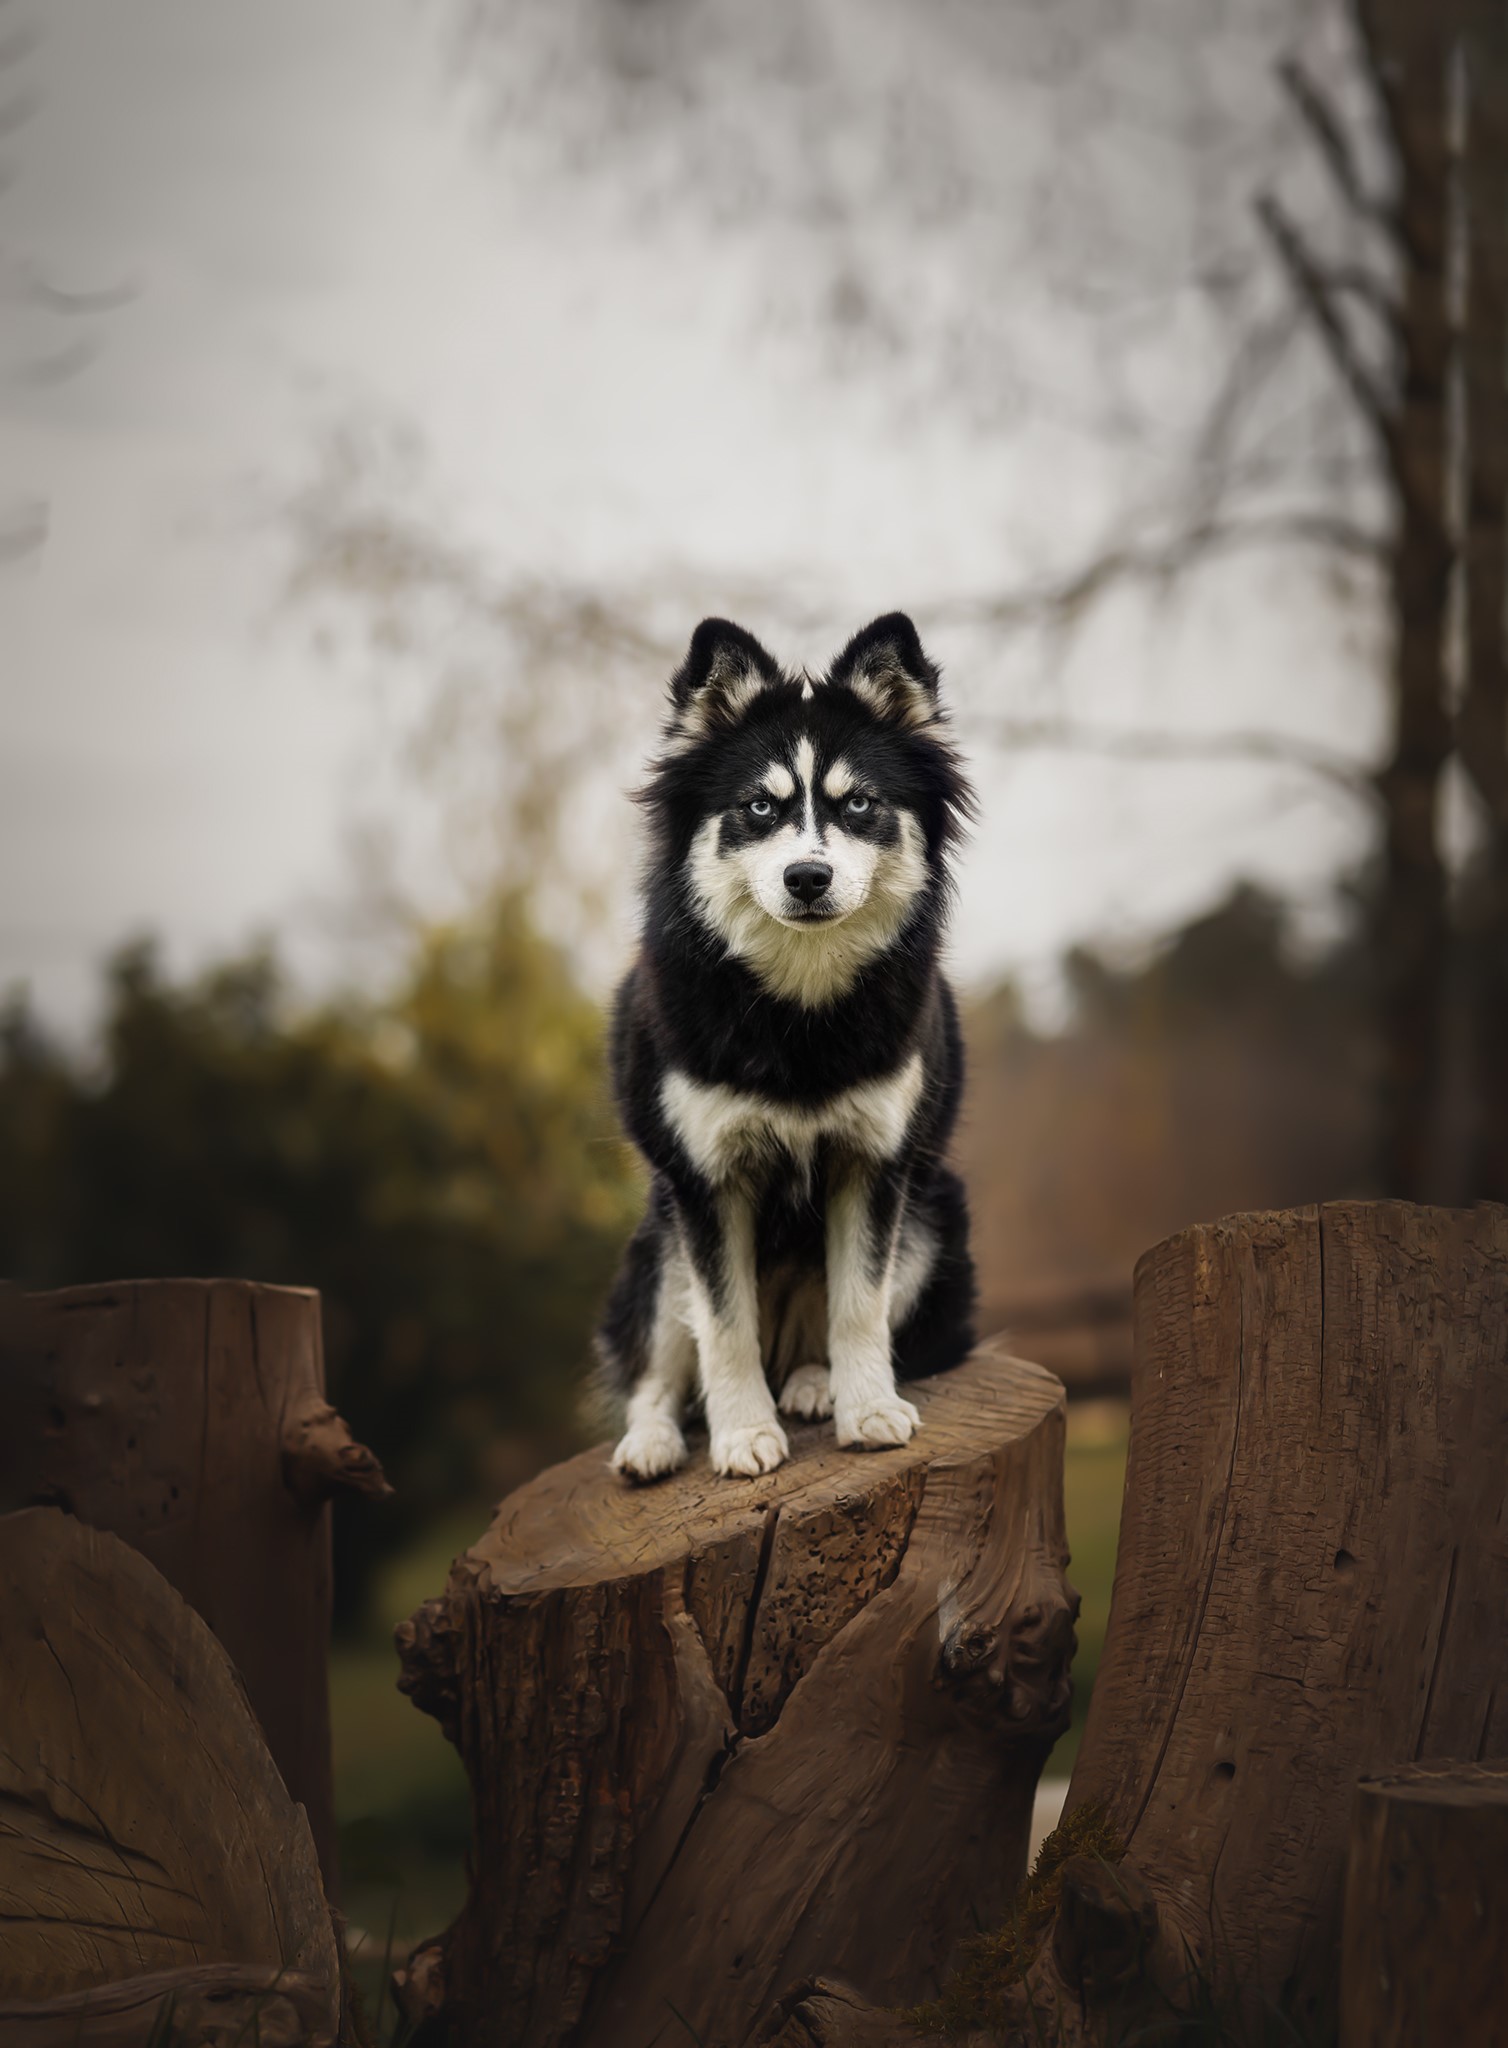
<point x="724" y="1734"/>
<point x="143" y="1824"/>
<point x="189" y="1418"/>
<point x="1313" y="1571"/>
<point x="1424" y="1953"/>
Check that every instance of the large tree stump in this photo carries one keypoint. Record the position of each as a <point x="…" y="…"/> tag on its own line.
<point x="189" y="1417"/>
<point x="1312" y="1582"/>
<point x="1424" y="1954"/>
<point x="722" y="1733"/>
<point x="145" y="1833"/>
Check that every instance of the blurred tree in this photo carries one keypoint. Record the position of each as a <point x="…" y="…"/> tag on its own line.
<point x="1232" y="213"/>
<point x="50" y="333"/>
<point x="441" y="1163"/>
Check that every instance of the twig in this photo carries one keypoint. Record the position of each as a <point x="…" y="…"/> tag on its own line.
<point x="1320" y="118"/>
<point x="1272" y="748"/>
<point x="1319" y="295"/>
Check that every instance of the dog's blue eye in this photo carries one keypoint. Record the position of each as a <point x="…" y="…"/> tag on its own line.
<point x="858" y="805"/>
<point x="761" y="807"/>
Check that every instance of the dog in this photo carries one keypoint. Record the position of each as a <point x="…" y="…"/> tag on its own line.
<point x="786" y="1056"/>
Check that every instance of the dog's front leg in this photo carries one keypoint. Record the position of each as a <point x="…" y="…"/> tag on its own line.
<point x="745" y="1432"/>
<point x="863" y="1218"/>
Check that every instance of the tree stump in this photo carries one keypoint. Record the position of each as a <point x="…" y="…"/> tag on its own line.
<point x="1424" y="1952"/>
<point x="722" y="1733"/>
<point x="145" y="1833"/>
<point x="189" y="1418"/>
<point x="1312" y="1580"/>
<point x="825" y="2014"/>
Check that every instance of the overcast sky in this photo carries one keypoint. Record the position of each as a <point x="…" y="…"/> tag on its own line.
<point x="313" y="222"/>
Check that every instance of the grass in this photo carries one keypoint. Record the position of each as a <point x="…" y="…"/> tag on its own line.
<point x="400" y="1792"/>
<point x="1094" y="1475"/>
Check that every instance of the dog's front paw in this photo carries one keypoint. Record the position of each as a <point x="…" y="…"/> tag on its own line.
<point x="878" y="1425"/>
<point x="745" y="1453"/>
<point x="808" y="1393"/>
<point x="650" y="1450"/>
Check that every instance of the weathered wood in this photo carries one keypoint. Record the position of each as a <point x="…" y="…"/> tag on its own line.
<point x="724" y="1733"/>
<point x="189" y="1417"/>
<point x="1424" y="1949"/>
<point x="209" y="2005"/>
<point x="1312" y="1577"/>
<point x="143" y="1824"/>
<point x="823" y="2013"/>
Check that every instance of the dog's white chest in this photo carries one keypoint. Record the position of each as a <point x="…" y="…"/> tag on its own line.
<point x="725" y="1131"/>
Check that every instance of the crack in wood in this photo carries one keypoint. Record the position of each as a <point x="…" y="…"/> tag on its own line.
<point x="752" y="1614"/>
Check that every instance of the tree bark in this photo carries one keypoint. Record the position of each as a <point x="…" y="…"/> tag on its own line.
<point x="1311" y="1583"/>
<point x="1406" y="51"/>
<point x="722" y="1733"/>
<point x="147" y="1833"/>
<point x="189" y="1418"/>
<point x="826" y="2014"/>
<point x="1424" y="1954"/>
<point x="1482" y="721"/>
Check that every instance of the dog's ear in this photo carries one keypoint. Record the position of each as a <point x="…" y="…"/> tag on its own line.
<point x="724" y="671"/>
<point x="886" y="667"/>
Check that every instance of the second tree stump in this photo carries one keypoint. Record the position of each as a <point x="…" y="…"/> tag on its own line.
<point x="725" y="1733"/>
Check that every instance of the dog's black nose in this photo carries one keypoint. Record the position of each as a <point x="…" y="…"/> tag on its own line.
<point x="808" y="879"/>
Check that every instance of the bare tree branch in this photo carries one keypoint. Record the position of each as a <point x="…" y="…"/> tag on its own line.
<point x="1060" y="603"/>
<point x="1270" y="749"/>
<point x="1318" y="294"/>
<point x="1320" y="118"/>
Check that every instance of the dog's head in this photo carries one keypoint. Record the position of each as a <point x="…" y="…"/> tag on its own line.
<point x="807" y="820"/>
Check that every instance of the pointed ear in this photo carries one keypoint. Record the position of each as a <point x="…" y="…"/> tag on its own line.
<point x="724" y="671"/>
<point x="886" y="667"/>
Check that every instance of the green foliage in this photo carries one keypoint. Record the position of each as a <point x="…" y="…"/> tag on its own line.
<point x="442" y="1163"/>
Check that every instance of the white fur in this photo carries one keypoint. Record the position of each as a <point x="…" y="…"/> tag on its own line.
<point x="779" y="780"/>
<point x="725" y="696"/>
<point x="891" y="693"/>
<point x="652" y="1443"/>
<point x="746" y="1437"/>
<point x="725" y="1130"/>
<point x="839" y="779"/>
<point x="867" y="1408"/>
<point x="915" y="1256"/>
<point x="808" y="1393"/>
<point x="743" y="898"/>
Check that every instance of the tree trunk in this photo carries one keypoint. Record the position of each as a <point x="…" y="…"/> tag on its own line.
<point x="146" y="1832"/>
<point x="1482" y="722"/>
<point x="723" y="1733"/>
<point x="1406" y="50"/>
<point x="1311" y="1583"/>
<point x="1424" y="1955"/>
<point x="825" y="2014"/>
<point x="189" y="1418"/>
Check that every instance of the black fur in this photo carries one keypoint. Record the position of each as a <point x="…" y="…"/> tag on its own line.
<point x="688" y="1005"/>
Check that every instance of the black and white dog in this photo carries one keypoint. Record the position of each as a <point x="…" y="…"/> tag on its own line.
<point x="786" y="1056"/>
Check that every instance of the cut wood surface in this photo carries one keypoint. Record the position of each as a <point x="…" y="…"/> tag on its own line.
<point x="1424" y="1955"/>
<point x="723" y="1734"/>
<point x="1312" y="1576"/>
<point x="189" y="1417"/>
<point x="143" y="1824"/>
